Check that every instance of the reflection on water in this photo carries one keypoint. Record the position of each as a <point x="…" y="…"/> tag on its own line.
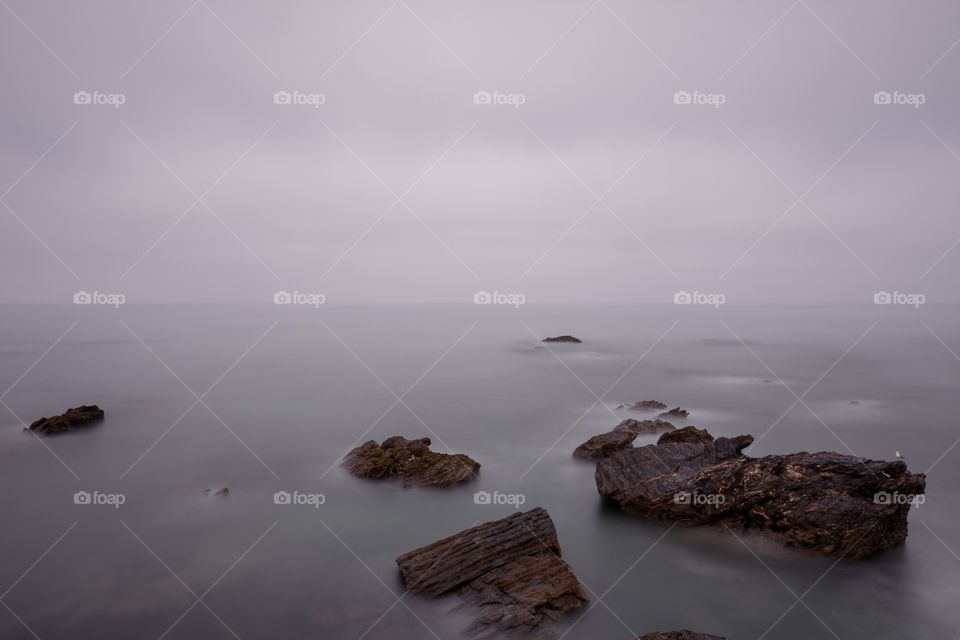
<point x="281" y="416"/>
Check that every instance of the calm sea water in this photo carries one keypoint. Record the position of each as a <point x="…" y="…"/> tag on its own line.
<point x="292" y="389"/>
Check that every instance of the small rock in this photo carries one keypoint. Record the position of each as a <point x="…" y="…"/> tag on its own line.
<point x="222" y="492"/>
<point x="686" y="434"/>
<point x="644" y="405"/>
<point x="621" y="437"/>
<point x="564" y="339"/>
<point x="74" y="417"/>
<point x="411" y="462"/>
<point x="676" y="412"/>
<point x="684" y="634"/>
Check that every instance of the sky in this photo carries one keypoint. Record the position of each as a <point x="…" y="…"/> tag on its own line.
<point x="574" y="152"/>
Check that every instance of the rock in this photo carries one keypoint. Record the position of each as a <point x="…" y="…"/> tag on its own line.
<point x="509" y="570"/>
<point x="563" y="339"/>
<point x="836" y="504"/>
<point x="621" y="437"/>
<point x="676" y="412"/>
<point x="75" y="417"/>
<point x="411" y="462"/>
<point x="644" y="405"/>
<point x="686" y="434"/>
<point x="684" y="634"/>
<point x="222" y="492"/>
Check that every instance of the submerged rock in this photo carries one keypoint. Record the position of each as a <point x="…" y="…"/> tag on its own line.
<point x="644" y="405"/>
<point x="683" y="634"/>
<point x="620" y="438"/>
<point x="836" y="504"/>
<point x="75" y="417"/>
<point x="563" y="339"/>
<point x="411" y="462"/>
<point x="676" y="412"/>
<point x="509" y="569"/>
<point x="686" y="434"/>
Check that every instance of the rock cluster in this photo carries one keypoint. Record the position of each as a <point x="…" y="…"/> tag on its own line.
<point x="411" y="462"/>
<point x="621" y="437"/>
<point x="509" y="570"/>
<point x="839" y="505"/>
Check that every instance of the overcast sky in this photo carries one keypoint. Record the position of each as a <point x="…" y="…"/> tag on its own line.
<point x="798" y="187"/>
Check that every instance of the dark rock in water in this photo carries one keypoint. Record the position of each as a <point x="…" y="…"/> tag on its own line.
<point x="836" y="504"/>
<point x="411" y="462"/>
<point x="684" y="634"/>
<point x="509" y="569"/>
<point x="644" y="405"/>
<point x="676" y="412"/>
<point x="686" y="434"/>
<point x="75" y="417"/>
<point x="621" y="437"/>
<point x="222" y="492"/>
<point x="563" y="339"/>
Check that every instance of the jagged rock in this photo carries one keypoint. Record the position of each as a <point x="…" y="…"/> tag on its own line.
<point x="509" y="569"/>
<point x="563" y="339"/>
<point x="836" y="504"/>
<point x="411" y="462"/>
<point x="686" y="434"/>
<point x="75" y="417"/>
<point x="676" y="412"/>
<point x="684" y="634"/>
<point x="621" y="437"/>
<point x="644" y="405"/>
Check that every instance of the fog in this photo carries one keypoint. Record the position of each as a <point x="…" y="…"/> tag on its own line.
<point x="589" y="184"/>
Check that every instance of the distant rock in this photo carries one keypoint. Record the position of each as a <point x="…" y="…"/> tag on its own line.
<point x="621" y="437"/>
<point x="222" y="492"/>
<point x="686" y="434"/>
<point x="684" y="634"/>
<point x="509" y="570"/>
<point x="836" y="504"/>
<point x="411" y="462"/>
<point x="644" y="405"/>
<point x="71" y="418"/>
<point x="563" y="339"/>
<point x="676" y="412"/>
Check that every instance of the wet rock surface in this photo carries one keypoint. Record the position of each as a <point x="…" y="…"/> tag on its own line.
<point x="70" y="419"/>
<point x="570" y="339"/>
<point x="836" y="504"/>
<point x="509" y="570"/>
<point x="676" y="412"/>
<point x="621" y="437"/>
<point x="411" y="462"/>
<point x="686" y="434"/>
